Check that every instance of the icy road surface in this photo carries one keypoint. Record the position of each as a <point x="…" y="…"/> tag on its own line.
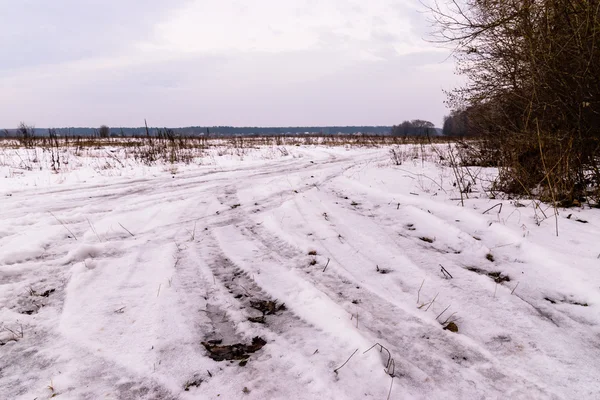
<point x="108" y="287"/>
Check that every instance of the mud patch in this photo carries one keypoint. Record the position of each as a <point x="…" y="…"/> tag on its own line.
<point x="192" y="383"/>
<point x="498" y="277"/>
<point x="382" y="271"/>
<point x="238" y="351"/>
<point x="566" y="301"/>
<point x="267" y="307"/>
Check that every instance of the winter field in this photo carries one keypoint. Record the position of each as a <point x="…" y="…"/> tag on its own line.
<point x="288" y="271"/>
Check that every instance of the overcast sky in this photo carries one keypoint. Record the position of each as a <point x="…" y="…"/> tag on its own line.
<point x="218" y="62"/>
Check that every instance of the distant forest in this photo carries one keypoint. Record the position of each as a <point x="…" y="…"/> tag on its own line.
<point x="224" y="131"/>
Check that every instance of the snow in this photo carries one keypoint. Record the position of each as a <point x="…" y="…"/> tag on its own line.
<point x="113" y="272"/>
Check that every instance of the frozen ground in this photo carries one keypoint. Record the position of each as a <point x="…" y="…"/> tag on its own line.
<point x="113" y="273"/>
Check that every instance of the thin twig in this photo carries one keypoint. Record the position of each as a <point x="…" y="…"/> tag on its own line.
<point x="445" y="272"/>
<point x="424" y="176"/>
<point x="514" y="288"/>
<point x="326" y="265"/>
<point x="390" y="365"/>
<point x="391" y="385"/>
<point x="419" y="292"/>
<point x="501" y="245"/>
<point x="494" y="206"/>
<point x="340" y="367"/>
<point x="547" y="177"/>
<point x="93" y="229"/>
<point x="126" y="229"/>
<point x="391" y="369"/>
<point x="381" y="348"/>
<point x="442" y="313"/>
<point x="63" y="224"/>
<point x="448" y="320"/>
<point x="432" y="301"/>
<point x="115" y="158"/>
<point x="459" y="178"/>
<point x="193" y="233"/>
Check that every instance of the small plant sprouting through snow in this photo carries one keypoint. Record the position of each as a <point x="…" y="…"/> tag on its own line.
<point x="382" y="271"/>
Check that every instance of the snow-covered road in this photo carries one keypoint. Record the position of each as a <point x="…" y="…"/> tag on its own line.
<point x="108" y="289"/>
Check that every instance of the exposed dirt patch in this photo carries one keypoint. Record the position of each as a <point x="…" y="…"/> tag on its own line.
<point x="566" y="301"/>
<point x="238" y="351"/>
<point x="383" y="271"/>
<point x="267" y="307"/>
<point x="258" y="320"/>
<point x="498" y="277"/>
<point x="192" y="383"/>
<point x="452" y="327"/>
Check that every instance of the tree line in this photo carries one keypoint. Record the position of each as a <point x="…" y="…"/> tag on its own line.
<point x="406" y="128"/>
<point x="416" y="127"/>
<point x="105" y="131"/>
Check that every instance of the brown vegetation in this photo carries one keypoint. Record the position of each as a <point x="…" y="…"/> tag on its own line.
<point x="533" y="92"/>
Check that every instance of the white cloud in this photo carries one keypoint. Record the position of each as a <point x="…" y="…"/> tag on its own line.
<point x="275" y="25"/>
<point x="265" y="62"/>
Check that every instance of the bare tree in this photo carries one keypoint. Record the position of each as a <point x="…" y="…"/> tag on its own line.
<point x="26" y="134"/>
<point x="104" y="131"/>
<point x="533" y="89"/>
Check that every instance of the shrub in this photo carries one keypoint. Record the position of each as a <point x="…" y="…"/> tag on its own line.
<point x="533" y="92"/>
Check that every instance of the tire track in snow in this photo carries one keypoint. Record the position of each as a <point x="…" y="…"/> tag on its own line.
<point x="527" y="312"/>
<point x="236" y="255"/>
<point x="294" y="346"/>
<point x="288" y="334"/>
<point x="376" y="314"/>
<point x="420" y="362"/>
<point x="71" y="205"/>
